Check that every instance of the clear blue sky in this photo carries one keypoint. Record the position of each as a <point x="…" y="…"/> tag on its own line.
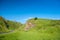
<point x="20" y="10"/>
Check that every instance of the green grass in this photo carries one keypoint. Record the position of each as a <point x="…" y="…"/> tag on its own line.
<point x="43" y="29"/>
<point x="7" y="25"/>
<point x="30" y="35"/>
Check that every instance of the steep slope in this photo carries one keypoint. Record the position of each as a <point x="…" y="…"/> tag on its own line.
<point x="45" y="25"/>
<point x="6" y="25"/>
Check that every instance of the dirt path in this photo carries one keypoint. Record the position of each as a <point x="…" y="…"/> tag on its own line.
<point x="7" y="32"/>
<point x="28" y="26"/>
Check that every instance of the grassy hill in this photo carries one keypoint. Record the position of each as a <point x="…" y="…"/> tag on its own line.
<point x="44" y="29"/>
<point x="6" y="25"/>
<point x="45" y="24"/>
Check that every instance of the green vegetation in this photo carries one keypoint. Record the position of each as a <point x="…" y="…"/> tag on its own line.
<point x="35" y="18"/>
<point x="6" y="25"/>
<point x="22" y="35"/>
<point x="45" y="24"/>
<point x="44" y="29"/>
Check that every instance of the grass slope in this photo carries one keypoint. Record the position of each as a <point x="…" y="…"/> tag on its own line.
<point x="6" y="25"/>
<point x="22" y="35"/>
<point x="44" y="29"/>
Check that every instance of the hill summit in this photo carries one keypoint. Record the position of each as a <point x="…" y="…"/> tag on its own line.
<point x="43" y="24"/>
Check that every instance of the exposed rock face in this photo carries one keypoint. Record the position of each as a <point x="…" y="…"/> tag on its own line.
<point x="28" y="26"/>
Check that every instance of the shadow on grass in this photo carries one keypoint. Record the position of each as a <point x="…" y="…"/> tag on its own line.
<point x="1" y="37"/>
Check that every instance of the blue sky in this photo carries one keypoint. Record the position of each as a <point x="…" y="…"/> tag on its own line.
<point x="21" y="10"/>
